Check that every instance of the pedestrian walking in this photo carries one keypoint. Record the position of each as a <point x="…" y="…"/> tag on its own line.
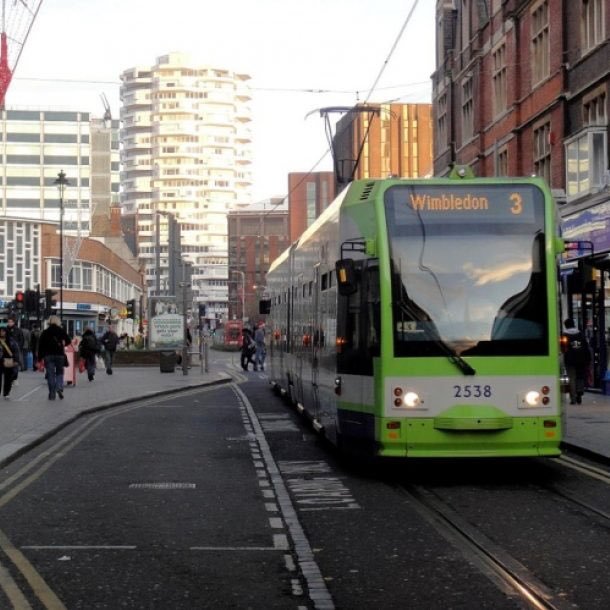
<point x="248" y="347"/>
<point x="8" y="362"/>
<point x="51" y="345"/>
<point x="88" y="349"/>
<point x="110" y="342"/>
<point x="12" y="330"/>
<point x="576" y="359"/>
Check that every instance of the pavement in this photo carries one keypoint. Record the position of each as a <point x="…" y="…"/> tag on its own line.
<point x="29" y="417"/>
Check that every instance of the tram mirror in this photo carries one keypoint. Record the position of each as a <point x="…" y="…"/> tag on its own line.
<point x="264" y="306"/>
<point x="347" y="281"/>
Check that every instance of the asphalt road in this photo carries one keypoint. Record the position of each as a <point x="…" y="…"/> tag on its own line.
<point x="224" y="498"/>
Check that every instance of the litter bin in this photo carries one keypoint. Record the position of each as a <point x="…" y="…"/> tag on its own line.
<point x="167" y="361"/>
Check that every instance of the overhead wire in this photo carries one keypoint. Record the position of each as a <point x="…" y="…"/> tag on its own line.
<point x="371" y="91"/>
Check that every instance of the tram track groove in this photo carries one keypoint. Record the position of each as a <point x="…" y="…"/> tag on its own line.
<point x="511" y="576"/>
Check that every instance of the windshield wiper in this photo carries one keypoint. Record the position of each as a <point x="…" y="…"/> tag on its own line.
<point x="414" y="312"/>
<point x="455" y="358"/>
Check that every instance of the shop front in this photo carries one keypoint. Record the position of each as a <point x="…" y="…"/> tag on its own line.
<point x="585" y="275"/>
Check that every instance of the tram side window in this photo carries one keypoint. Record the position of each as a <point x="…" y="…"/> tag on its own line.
<point x="359" y="325"/>
<point x="373" y="310"/>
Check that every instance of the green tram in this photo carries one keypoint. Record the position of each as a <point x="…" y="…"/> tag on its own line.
<point x="419" y="318"/>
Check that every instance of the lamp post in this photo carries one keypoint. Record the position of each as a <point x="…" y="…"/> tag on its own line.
<point x="243" y="294"/>
<point x="61" y="183"/>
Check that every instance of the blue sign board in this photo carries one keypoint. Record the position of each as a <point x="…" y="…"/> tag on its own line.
<point x="592" y="224"/>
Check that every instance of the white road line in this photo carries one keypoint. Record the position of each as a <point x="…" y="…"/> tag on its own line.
<point x="83" y="547"/>
<point x="317" y="590"/>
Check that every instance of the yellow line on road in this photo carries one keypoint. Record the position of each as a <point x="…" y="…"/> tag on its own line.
<point x="39" y="586"/>
<point x="14" y="594"/>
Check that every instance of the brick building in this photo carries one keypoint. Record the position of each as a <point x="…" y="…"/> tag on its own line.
<point x="381" y="140"/>
<point x="521" y="88"/>
<point x="308" y="194"/>
<point x="257" y="235"/>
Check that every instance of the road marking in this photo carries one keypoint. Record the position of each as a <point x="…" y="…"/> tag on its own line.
<point x="36" y="582"/>
<point x="81" y="547"/>
<point x="317" y="591"/>
<point x="321" y="492"/>
<point x="232" y="548"/>
<point x="162" y="485"/>
<point x="12" y="591"/>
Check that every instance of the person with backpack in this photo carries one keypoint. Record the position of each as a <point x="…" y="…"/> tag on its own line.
<point x="51" y="348"/>
<point x="576" y="358"/>
<point x="88" y="348"/>
<point x="110" y="342"/>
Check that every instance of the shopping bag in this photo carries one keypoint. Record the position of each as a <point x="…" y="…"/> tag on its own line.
<point x="81" y="365"/>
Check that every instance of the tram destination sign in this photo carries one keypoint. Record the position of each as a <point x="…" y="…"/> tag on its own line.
<point x="462" y="203"/>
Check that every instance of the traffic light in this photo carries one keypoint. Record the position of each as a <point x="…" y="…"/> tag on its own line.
<point x="49" y="301"/>
<point x="31" y="301"/>
<point x="202" y="310"/>
<point x="19" y="300"/>
<point x="131" y="309"/>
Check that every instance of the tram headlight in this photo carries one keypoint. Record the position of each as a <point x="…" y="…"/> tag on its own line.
<point x="411" y="399"/>
<point x="533" y="398"/>
<point x="403" y="398"/>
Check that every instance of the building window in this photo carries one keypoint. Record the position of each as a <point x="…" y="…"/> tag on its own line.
<point x="586" y="162"/>
<point x="502" y="162"/>
<point x="499" y="79"/>
<point x="467" y="110"/>
<point x="540" y="42"/>
<point x="594" y="110"/>
<point x="542" y="152"/>
<point x="311" y="202"/>
<point x="591" y="24"/>
<point x="465" y="19"/>
<point x="441" y="122"/>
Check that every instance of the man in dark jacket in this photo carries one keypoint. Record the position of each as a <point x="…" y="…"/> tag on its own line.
<point x="576" y="359"/>
<point x="88" y="348"/>
<point x="53" y="340"/>
<point x="110" y="341"/>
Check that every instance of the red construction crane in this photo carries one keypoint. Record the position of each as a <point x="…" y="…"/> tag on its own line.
<point x="17" y="19"/>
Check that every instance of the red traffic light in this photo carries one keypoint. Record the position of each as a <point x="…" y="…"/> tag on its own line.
<point x="19" y="296"/>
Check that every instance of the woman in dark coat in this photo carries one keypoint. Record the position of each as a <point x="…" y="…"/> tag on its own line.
<point x="8" y="349"/>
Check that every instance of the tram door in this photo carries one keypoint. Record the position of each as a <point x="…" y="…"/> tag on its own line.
<point x="586" y="305"/>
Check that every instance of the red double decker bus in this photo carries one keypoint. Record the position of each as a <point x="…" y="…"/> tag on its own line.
<point x="232" y="332"/>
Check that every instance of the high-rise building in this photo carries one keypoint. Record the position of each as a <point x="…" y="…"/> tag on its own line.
<point x="36" y="145"/>
<point x="185" y="153"/>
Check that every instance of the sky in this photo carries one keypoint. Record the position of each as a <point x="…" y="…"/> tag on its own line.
<point x="301" y="56"/>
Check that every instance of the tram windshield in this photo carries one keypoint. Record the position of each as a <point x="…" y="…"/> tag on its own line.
<point x="468" y="269"/>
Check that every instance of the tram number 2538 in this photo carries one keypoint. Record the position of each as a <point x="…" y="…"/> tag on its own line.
<point x="472" y="391"/>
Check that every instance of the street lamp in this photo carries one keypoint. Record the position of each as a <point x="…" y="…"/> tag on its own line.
<point x="243" y="293"/>
<point x="61" y="183"/>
